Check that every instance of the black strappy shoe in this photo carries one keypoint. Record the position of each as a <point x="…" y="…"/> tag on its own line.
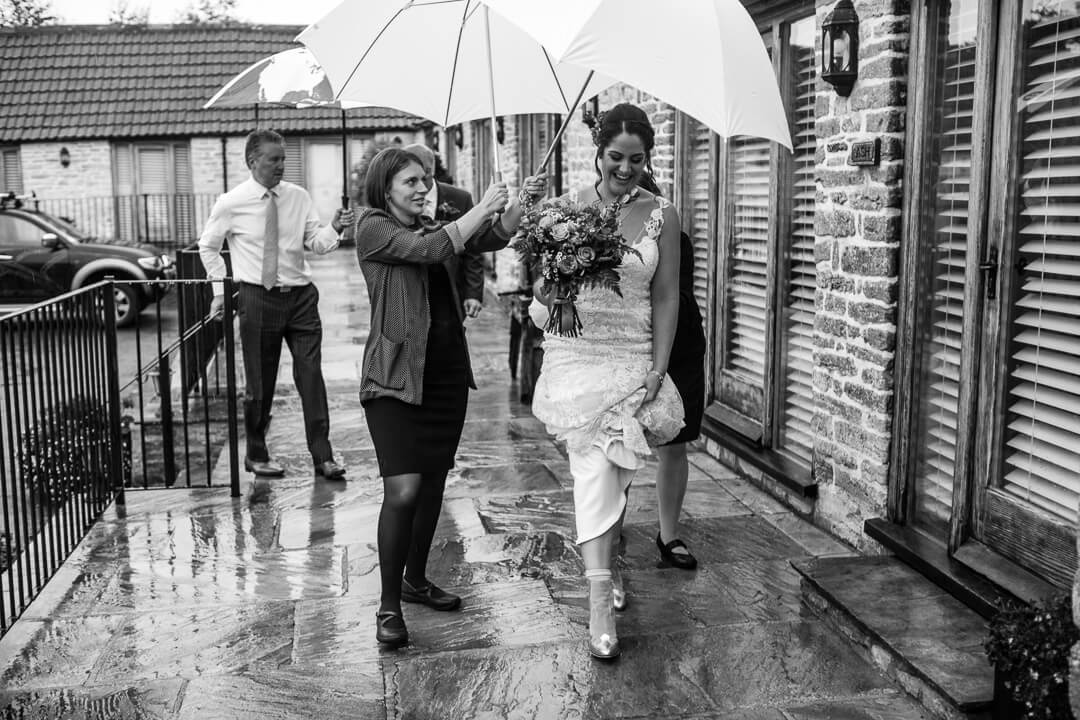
<point x="683" y="561"/>
<point x="390" y="628"/>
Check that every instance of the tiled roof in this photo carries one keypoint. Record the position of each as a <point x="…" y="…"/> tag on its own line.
<point x="71" y="82"/>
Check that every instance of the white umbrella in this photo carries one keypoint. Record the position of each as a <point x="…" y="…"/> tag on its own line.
<point x="449" y="61"/>
<point x="705" y="57"/>
<point x="291" y="77"/>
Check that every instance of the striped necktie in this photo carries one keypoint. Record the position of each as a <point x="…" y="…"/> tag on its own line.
<point x="270" y="243"/>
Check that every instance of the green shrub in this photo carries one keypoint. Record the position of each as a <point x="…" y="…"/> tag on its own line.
<point x="1029" y="645"/>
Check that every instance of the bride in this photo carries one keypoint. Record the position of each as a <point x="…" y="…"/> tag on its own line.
<point x="605" y="392"/>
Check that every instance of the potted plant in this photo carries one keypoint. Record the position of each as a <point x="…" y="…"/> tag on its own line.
<point x="1029" y="648"/>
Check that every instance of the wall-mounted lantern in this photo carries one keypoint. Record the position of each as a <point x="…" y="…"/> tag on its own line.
<point x="840" y="47"/>
<point x="65" y="157"/>
<point x="459" y="137"/>
<point x="500" y="131"/>
<point x="590" y="109"/>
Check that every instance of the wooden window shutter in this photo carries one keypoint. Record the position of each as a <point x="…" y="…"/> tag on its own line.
<point x="941" y="285"/>
<point x="295" y="170"/>
<point x="1041" y="458"/>
<point x="800" y="284"/>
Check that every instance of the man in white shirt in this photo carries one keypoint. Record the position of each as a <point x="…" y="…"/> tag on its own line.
<point x="269" y="223"/>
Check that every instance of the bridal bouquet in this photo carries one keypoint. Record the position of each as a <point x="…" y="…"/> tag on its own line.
<point x="571" y="246"/>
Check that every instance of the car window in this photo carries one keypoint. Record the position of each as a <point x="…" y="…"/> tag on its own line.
<point x="19" y="232"/>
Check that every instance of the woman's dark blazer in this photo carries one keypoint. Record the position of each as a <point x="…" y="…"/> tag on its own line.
<point x="395" y="260"/>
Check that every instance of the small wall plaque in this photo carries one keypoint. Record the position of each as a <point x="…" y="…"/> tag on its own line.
<point x="865" y="152"/>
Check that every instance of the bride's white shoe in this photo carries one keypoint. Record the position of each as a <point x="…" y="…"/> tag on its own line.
<point x="603" y="642"/>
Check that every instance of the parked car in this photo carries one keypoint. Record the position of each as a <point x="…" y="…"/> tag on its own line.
<point x="42" y="256"/>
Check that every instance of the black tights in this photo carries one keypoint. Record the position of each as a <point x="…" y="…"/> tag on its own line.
<point x="407" y="520"/>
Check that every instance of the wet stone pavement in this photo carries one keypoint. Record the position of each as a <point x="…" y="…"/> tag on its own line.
<point x="190" y="604"/>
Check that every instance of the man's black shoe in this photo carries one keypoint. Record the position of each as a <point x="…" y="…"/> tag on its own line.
<point x="263" y="468"/>
<point x="330" y="470"/>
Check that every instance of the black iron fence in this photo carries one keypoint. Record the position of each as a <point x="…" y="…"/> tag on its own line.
<point x="87" y="411"/>
<point x="168" y="220"/>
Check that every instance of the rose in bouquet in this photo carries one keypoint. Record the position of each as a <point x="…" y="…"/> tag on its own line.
<point x="571" y="246"/>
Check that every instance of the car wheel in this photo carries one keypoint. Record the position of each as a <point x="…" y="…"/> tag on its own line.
<point x="127" y="304"/>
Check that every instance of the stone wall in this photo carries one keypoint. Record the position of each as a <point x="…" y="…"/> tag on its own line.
<point x="79" y="191"/>
<point x="857" y="251"/>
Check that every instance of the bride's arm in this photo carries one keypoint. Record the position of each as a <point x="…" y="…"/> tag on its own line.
<point x="665" y="302"/>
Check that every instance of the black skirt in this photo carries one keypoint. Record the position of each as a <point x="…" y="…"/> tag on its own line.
<point x="424" y="438"/>
<point x="687" y="367"/>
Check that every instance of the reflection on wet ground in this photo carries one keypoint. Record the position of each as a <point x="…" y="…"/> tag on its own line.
<point x="190" y="604"/>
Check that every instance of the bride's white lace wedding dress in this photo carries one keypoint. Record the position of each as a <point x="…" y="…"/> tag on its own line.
<point x="591" y="387"/>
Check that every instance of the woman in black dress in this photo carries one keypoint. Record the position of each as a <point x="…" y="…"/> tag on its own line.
<point x="416" y="373"/>
<point x="687" y="371"/>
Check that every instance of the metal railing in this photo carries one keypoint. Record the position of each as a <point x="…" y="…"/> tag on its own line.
<point x="60" y="434"/>
<point x="87" y="411"/>
<point x="168" y="220"/>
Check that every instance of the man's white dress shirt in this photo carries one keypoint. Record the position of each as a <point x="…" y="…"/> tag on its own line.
<point x="240" y="216"/>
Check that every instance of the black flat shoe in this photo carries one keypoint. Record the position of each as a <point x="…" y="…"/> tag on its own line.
<point x="434" y="597"/>
<point x="390" y="628"/>
<point x="683" y="561"/>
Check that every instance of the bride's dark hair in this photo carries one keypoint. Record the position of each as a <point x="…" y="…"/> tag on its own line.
<point x="624" y="118"/>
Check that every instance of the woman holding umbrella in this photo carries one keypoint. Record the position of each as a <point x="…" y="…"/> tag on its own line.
<point x="416" y="375"/>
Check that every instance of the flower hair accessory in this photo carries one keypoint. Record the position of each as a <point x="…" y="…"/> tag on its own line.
<point x="594" y="129"/>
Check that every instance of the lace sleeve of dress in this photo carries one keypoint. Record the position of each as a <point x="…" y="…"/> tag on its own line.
<point x="655" y="224"/>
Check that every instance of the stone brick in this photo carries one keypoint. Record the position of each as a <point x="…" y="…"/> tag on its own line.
<point x="838" y="327"/>
<point x="822" y="382"/>
<point x="870" y="355"/>
<point x="883" y="66"/>
<point x="878" y="95"/>
<point x="889" y="173"/>
<point x="823" y="470"/>
<point x="877" y="197"/>
<point x="826" y="127"/>
<point x="842" y="177"/>
<point x="832" y="303"/>
<point x="843" y="364"/>
<point x="892" y="26"/>
<point x="874" y="472"/>
<point x="822" y="107"/>
<point x="876" y="261"/>
<point x="869" y="9"/>
<point x="883" y="339"/>
<point x="841" y="410"/>
<point x="839" y="146"/>
<point x="840" y="198"/>
<point x="850" y="123"/>
<point x="871" y="313"/>
<point x="881" y="228"/>
<point x="822" y="254"/>
<point x="886" y="121"/>
<point x="892" y="148"/>
<point x="841" y="284"/>
<point x="885" y="291"/>
<point x="838" y="223"/>
<point x="886" y="46"/>
<point x="877" y="379"/>
<point x="869" y="398"/>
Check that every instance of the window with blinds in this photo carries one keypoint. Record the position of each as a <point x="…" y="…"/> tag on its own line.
<point x="698" y="202"/>
<point x="797" y="308"/>
<point x="153" y="198"/>
<point x="748" y="257"/>
<point x="10" y="171"/>
<point x="1041" y="457"/>
<point x="941" y="288"/>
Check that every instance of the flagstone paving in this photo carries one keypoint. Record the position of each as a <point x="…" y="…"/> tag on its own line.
<point x="191" y="604"/>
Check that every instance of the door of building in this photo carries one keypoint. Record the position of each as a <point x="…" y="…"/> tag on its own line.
<point x="992" y="285"/>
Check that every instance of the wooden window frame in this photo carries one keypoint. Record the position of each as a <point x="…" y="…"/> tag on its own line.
<point x="796" y="472"/>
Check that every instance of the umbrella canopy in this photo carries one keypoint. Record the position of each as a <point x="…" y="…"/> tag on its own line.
<point x="291" y="77"/>
<point x="705" y="57"/>
<point x="443" y="60"/>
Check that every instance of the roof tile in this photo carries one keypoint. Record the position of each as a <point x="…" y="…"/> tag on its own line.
<point x="67" y="82"/>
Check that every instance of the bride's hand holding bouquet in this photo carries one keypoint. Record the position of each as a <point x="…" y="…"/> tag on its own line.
<point x="571" y="246"/>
